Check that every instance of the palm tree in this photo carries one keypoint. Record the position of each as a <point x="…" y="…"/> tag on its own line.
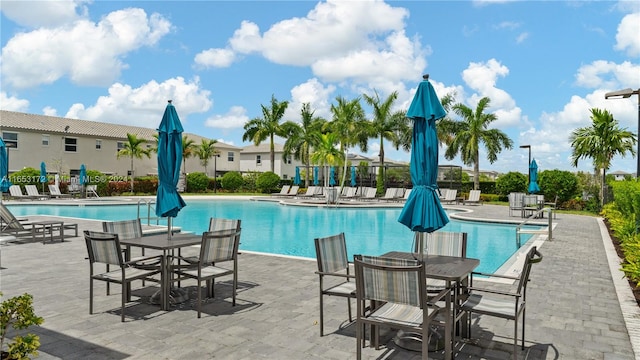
<point x="188" y="150"/>
<point x="301" y="138"/>
<point x="326" y="152"/>
<point x="268" y="126"/>
<point x="384" y="124"/>
<point x="350" y="127"/>
<point x="206" y="151"/>
<point x="133" y="148"/>
<point x="467" y="135"/>
<point x="600" y="142"/>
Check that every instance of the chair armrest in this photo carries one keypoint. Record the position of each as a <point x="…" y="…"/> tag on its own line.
<point x="348" y="276"/>
<point x="134" y="262"/>
<point x="497" y="292"/>
<point x="439" y="297"/>
<point x="496" y="275"/>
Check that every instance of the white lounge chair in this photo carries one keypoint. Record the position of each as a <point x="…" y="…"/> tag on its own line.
<point x="16" y="193"/>
<point x="450" y="197"/>
<point x="92" y="191"/>
<point x="32" y="191"/>
<point x="474" y="198"/>
<point x="54" y="190"/>
<point x="283" y="192"/>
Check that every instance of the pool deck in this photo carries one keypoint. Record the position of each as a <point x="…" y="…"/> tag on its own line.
<point x="579" y="306"/>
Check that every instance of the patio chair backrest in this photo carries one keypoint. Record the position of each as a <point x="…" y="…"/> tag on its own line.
<point x="54" y="190"/>
<point x="16" y="191"/>
<point x="533" y="256"/>
<point x="217" y="224"/>
<point x="8" y="220"/>
<point x="400" y="281"/>
<point x="294" y="190"/>
<point x="125" y="229"/>
<point x="444" y="243"/>
<point x="515" y="199"/>
<point x="103" y="248"/>
<point x="474" y="195"/>
<point x="451" y="195"/>
<point x="219" y="246"/>
<point x="32" y="190"/>
<point x="331" y="254"/>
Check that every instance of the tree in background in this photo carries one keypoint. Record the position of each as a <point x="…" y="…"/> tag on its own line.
<point x="134" y="149"/>
<point x="267" y="127"/>
<point x="512" y="181"/>
<point x="470" y="132"/>
<point x="188" y="150"/>
<point x="326" y="153"/>
<point x="601" y="142"/>
<point x="349" y="127"/>
<point x="303" y="137"/>
<point x="205" y="151"/>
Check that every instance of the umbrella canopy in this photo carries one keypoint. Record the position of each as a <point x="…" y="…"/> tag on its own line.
<point x="332" y="175"/>
<point x="353" y="176"/>
<point x="43" y="172"/>
<point x="4" y="167"/>
<point x="168" y="201"/>
<point x="533" y="178"/>
<point x="296" y="179"/>
<point x="315" y="176"/>
<point x="83" y="174"/>
<point x="422" y="211"/>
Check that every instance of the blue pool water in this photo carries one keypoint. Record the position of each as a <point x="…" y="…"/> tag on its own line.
<point x="288" y="230"/>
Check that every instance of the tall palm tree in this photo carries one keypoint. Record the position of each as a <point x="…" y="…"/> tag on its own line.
<point x="303" y="137"/>
<point x="205" y="151"/>
<point x="472" y="130"/>
<point x="350" y="127"/>
<point x="385" y="123"/>
<point x="134" y="148"/>
<point x="600" y="142"/>
<point x="326" y="153"/>
<point x="188" y="150"/>
<point x="268" y="126"/>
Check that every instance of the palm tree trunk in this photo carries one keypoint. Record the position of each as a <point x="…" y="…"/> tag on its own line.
<point x="132" y="174"/>
<point x="476" y="173"/>
<point x="272" y="155"/>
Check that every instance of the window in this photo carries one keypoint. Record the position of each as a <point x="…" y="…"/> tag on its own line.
<point x="98" y="144"/>
<point x="230" y="156"/>
<point x="45" y="140"/>
<point x="10" y="139"/>
<point x="120" y="146"/>
<point x="258" y="160"/>
<point x="70" y="144"/>
<point x="287" y="160"/>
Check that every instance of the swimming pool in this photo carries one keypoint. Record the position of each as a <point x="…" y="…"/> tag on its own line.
<point x="287" y="230"/>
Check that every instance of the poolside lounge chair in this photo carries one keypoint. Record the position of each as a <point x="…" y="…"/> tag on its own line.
<point x="450" y="196"/>
<point x="348" y="192"/>
<point x="21" y="228"/>
<point x="283" y="191"/>
<point x="92" y="191"/>
<point x="105" y="248"/>
<point x="311" y="192"/>
<point x="333" y="263"/>
<point x="368" y="194"/>
<point x="32" y="191"/>
<point x="16" y="193"/>
<point x="474" y="198"/>
<point x="54" y="190"/>
<point x="407" y="192"/>
<point x="293" y="191"/>
<point x="442" y="193"/>
<point x="507" y="304"/>
<point x="398" y="285"/>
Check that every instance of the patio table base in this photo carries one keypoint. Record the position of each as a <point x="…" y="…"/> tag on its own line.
<point x="176" y="296"/>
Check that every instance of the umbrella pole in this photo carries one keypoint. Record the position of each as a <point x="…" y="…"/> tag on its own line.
<point x="169" y="230"/>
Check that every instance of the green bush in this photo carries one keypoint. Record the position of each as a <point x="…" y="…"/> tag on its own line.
<point x="197" y="182"/>
<point x="26" y="176"/>
<point x="232" y="181"/>
<point x="562" y="183"/>
<point x="511" y="182"/>
<point x="267" y="182"/>
<point x="18" y="313"/>
<point x="250" y="180"/>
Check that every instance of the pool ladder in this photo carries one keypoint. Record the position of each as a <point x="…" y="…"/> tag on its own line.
<point x="549" y="231"/>
<point x="151" y="209"/>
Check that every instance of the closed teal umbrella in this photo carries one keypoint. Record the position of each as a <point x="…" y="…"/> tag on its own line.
<point x="296" y="179"/>
<point x="332" y="175"/>
<point x="533" y="178"/>
<point x="168" y="201"/>
<point x="43" y="174"/>
<point x="422" y="210"/>
<point x="316" y="180"/>
<point x="353" y="176"/>
<point x="83" y="174"/>
<point x="4" y="167"/>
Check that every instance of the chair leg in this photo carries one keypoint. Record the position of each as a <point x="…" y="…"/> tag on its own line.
<point x="349" y="307"/>
<point x="321" y="316"/>
<point x="199" y="298"/>
<point x="523" y="321"/>
<point x="235" y="285"/>
<point x="124" y="300"/>
<point x="108" y="283"/>
<point x="515" y="339"/>
<point x="359" y="335"/>
<point x="91" y="296"/>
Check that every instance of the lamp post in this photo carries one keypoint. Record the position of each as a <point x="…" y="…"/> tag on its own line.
<point x="623" y="94"/>
<point x="529" y="163"/>
<point x="215" y="173"/>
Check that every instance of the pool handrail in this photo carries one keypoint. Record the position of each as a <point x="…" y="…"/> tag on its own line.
<point x="534" y="215"/>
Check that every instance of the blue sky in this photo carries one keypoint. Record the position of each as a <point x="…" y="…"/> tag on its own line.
<point x="544" y="64"/>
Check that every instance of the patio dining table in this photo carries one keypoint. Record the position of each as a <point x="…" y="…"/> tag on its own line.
<point x="162" y="243"/>
<point x="454" y="271"/>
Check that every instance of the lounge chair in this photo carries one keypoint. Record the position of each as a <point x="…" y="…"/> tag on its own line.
<point x="368" y="194"/>
<point x="507" y="304"/>
<point x="92" y="191"/>
<point x="407" y="192"/>
<point x="442" y="193"/>
<point x="348" y="192"/>
<point x="283" y="192"/>
<point x="54" y="190"/>
<point x="515" y="202"/>
<point x="474" y="198"/>
<point x="450" y="197"/>
<point x="389" y="195"/>
<point x="16" y="193"/>
<point x="293" y="191"/>
<point x="11" y="225"/>
<point x="32" y="191"/>
<point x="311" y="192"/>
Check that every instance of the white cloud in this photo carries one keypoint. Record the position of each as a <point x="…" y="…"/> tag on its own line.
<point x="12" y="103"/>
<point x="89" y="53"/>
<point x="313" y="92"/>
<point x="511" y="25"/>
<point x="44" y="13"/>
<point x="144" y="106"/>
<point x="608" y="74"/>
<point x="236" y="117"/>
<point x="49" y="111"/>
<point x="627" y="37"/>
<point x="522" y="37"/>
<point x="219" y="58"/>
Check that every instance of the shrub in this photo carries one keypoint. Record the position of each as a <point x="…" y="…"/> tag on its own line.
<point x="511" y="182"/>
<point x="267" y="182"/>
<point x="232" y="181"/>
<point x="17" y="313"/>
<point x="26" y="176"/>
<point x="562" y="183"/>
<point x="250" y="180"/>
<point x="197" y="182"/>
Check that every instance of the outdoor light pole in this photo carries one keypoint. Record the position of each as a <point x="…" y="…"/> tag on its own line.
<point x="529" y="163"/>
<point x="626" y="93"/>
<point x="215" y="172"/>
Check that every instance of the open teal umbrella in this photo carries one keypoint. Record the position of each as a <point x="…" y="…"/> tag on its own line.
<point x="4" y="168"/>
<point x="353" y="176"/>
<point x="168" y="201"/>
<point x="332" y="176"/>
<point x="533" y="178"/>
<point x="43" y="174"/>
<point x="422" y="211"/>
<point x="296" y="179"/>
<point x="316" y="180"/>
